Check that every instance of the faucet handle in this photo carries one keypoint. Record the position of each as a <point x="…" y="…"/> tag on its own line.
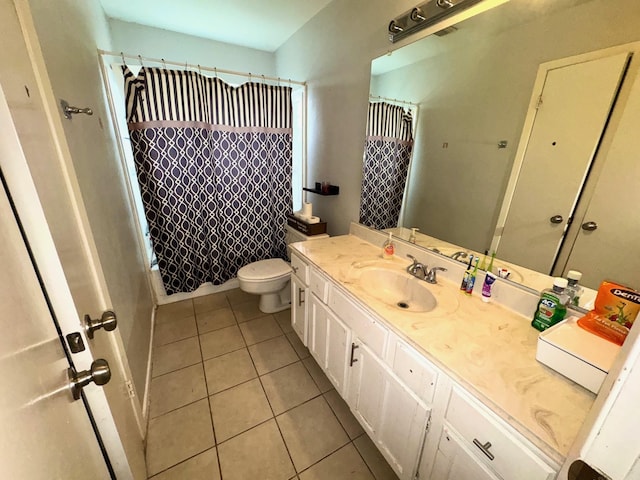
<point x="431" y="274"/>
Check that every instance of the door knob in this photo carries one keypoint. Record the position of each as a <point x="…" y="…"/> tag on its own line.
<point x="556" y="219"/>
<point x="99" y="373"/>
<point x="108" y="321"/>
<point x="589" y="226"/>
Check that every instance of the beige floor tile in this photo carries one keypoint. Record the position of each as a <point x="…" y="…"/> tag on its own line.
<point x="221" y="341"/>
<point x="246" y="311"/>
<point x="177" y="389"/>
<point x="298" y="346"/>
<point x="374" y="459"/>
<point x="237" y="296"/>
<point x="272" y="354"/>
<point x="324" y="384"/>
<point x="175" y="356"/>
<point x="289" y="387"/>
<point x="178" y="435"/>
<point x="345" y="417"/>
<point x="260" y="329"/>
<point x="256" y="454"/>
<point x="311" y="432"/>
<point x="345" y="464"/>
<point x="174" y="310"/>
<point x="228" y="370"/>
<point x="238" y="409"/>
<point x="215" y="320"/>
<point x="284" y="320"/>
<point x="175" y="329"/>
<point x="200" y="467"/>
<point x="214" y="301"/>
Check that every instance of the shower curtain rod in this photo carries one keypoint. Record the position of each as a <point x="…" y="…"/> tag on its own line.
<point x="404" y="102"/>
<point x="164" y="62"/>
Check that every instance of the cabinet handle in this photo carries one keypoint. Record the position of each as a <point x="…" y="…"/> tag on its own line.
<point x="295" y="269"/>
<point x="300" y="296"/>
<point x="484" y="448"/>
<point x="353" y="350"/>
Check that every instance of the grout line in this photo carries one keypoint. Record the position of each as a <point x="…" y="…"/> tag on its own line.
<point x="182" y="461"/>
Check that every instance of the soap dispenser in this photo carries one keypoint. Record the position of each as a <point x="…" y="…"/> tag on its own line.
<point x="388" y="248"/>
<point x="412" y="236"/>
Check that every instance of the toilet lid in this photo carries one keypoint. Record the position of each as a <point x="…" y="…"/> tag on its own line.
<point x="273" y="267"/>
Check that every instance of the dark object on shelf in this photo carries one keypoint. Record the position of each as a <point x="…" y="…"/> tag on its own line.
<point x="307" y="228"/>
<point x="333" y="189"/>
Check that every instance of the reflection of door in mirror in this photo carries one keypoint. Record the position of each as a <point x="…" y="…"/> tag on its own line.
<point x="558" y="157"/>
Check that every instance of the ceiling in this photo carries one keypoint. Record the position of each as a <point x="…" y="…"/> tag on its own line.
<point x="260" y="24"/>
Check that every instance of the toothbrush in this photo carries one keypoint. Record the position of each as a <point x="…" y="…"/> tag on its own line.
<point x="467" y="273"/>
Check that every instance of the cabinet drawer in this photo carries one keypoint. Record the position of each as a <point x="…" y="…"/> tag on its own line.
<point x="318" y="285"/>
<point x="511" y="457"/>
<point x="367" y="329"/>
<point x="300" y="268"/>
<point x="414" y="371"/>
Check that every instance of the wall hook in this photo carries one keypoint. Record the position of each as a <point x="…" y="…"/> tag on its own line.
<point x="68" y="110"/>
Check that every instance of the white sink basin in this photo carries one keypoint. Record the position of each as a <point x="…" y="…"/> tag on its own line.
<point x="397" y="289"/>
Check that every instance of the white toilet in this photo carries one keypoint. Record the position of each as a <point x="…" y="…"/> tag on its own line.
<point x="271" y="278"/>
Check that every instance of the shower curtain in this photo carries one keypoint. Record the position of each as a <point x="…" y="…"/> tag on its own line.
<point x="213" y="163"/>
<point x="389" y="142"/>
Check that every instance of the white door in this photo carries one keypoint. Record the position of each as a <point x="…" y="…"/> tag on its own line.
<point x="607" y="244"/>
<point x="45" y="434"/>
<point x="41" y="156"/>
<point x="575" y="104"/>
<point x="110" y="404"/>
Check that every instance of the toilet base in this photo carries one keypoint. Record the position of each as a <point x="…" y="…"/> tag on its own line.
<point x="276" y="302"/>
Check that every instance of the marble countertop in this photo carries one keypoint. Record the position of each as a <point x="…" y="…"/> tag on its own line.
<point x="488" y="349"/>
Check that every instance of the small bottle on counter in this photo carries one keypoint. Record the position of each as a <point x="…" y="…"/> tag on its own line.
<point x="573" y="289"/>
<point x="552" y="306"/>
<point x="388" y="248"/>
<point x="412" y="236"/>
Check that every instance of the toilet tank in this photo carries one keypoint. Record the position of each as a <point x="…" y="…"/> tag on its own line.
<point x="294" y="235"/>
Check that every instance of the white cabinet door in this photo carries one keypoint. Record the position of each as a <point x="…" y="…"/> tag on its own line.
<point x="338" y="351"/>
<point x="299" y="293"/>
<point x="317" y="331"/>
<point x="455" y="462"/>
<point x="392" y="416"/>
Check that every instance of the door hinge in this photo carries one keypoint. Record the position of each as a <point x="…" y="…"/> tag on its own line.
<point x="539" y="104"/>
<point x="131" y="393"/>
<point x="428" y="424"/>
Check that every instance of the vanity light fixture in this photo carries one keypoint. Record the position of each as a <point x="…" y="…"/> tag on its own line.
<point x="425" y="15"/>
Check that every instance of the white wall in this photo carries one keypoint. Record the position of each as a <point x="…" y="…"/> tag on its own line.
<point x="136" y="39"/>
<point x="474" y="91"/>
<point x="333" y="53"/>
<point x="70" y="33"/>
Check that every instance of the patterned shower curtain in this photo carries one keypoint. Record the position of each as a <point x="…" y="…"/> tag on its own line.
<point x="389" y="142"/>
<point x="213" y="163"/>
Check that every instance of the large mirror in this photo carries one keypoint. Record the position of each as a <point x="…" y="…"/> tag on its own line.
<point x="475" y="120"/>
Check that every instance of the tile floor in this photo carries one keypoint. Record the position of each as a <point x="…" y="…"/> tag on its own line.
<point x="235" y="395"/>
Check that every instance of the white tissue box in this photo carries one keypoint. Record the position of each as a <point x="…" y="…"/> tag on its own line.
<point x="576" y="353"/>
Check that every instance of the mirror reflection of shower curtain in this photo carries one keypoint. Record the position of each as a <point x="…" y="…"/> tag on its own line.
<point x="214" y="168"/>
<point x="388" y="148"/>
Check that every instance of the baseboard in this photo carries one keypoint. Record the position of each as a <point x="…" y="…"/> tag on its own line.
<point x="146" y="399"/>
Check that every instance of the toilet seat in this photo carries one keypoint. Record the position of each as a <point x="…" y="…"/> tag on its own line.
<point x="270" y="269"/>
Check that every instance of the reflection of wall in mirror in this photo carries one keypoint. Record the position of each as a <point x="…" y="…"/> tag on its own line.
<point x="474" y="90"/>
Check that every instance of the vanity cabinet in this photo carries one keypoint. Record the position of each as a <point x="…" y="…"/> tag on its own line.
<point x="299" y="295"/>
<point x="390" y="413"/>
<point x="424" y="423"/>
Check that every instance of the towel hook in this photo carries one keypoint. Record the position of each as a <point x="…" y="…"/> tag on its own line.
<point x="164" y="65"/>
<point x="68" y="110"/>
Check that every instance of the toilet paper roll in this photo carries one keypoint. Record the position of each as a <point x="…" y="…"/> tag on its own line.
<point x="312" y="220"/>
<point x="306" y="209"/>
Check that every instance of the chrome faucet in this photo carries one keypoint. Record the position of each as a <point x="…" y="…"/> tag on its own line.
<point x="417" y="269"/>
<point x="430" y="275"/>
<point x="460" y="254"/>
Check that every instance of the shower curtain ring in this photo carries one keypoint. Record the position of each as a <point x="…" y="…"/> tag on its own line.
<point x="164" y="65"/>
<point x="140" y="59"/>
<point x="123" y="60"/>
